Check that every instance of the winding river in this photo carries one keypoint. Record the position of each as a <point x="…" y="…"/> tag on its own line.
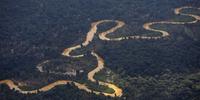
<point x="118" y="92"/>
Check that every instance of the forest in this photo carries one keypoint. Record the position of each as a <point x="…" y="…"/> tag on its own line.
<point x="33" y="31"/>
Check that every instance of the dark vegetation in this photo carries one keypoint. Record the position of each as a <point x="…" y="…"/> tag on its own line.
<point x="32" y="31"/>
